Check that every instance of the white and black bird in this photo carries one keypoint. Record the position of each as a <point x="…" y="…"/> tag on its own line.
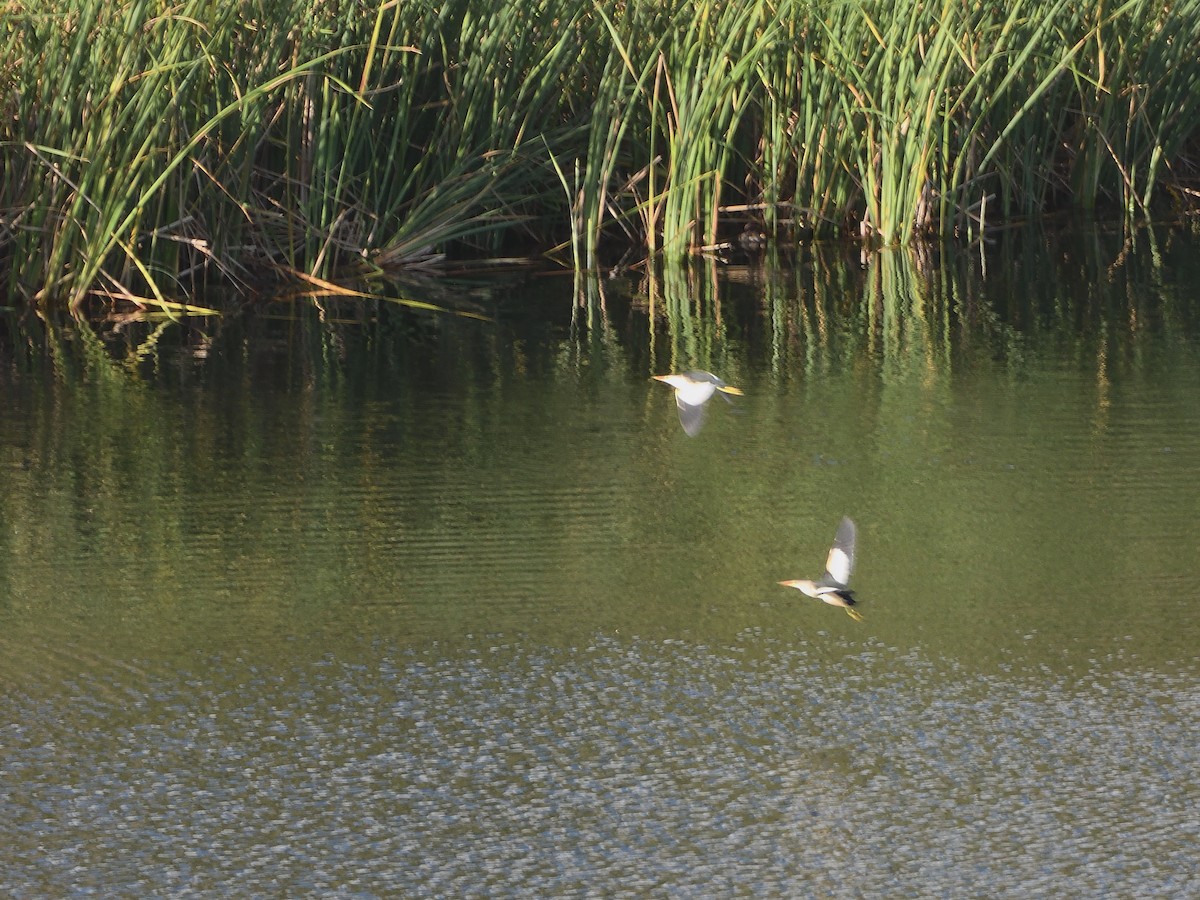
<point x="834" y="586"/>
<point x="692" y="391"/>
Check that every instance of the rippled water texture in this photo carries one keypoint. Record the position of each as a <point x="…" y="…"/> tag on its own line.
<point x="616" y="768"/>
<point x="408" y="605"/>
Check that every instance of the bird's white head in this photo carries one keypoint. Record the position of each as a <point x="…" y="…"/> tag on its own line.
<point x="679" y="382"/>
<point x="803" y="585"/>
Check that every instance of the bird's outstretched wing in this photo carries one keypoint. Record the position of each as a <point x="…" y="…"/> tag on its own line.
<point x="691" y="416"/>
<point x="840" y="563"/>
<point x="726" y="393"/>
<point x="725" y="390"/>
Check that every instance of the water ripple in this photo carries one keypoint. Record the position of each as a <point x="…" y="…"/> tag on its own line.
<point x="614" y="769"/>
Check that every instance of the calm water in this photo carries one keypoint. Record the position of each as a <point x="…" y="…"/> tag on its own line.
<point x="381" y="603"/>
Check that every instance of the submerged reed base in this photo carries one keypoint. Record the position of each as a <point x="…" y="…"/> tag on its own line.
<point x="147" y="150"/>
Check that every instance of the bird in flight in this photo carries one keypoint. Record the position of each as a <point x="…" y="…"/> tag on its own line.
<point x="692" y="391"/>
<point x="833" y="587"/>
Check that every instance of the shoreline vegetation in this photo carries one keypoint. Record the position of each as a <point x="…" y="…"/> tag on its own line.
<point x="149" y="152"/>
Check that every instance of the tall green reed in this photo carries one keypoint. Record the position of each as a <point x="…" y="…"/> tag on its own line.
<point x="181" y="144"/>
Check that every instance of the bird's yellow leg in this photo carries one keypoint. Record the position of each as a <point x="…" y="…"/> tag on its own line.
<point x="854" y="614"/>
<point x="729" y="389"/>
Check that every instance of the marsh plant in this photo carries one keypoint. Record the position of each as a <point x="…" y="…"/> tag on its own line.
<point x="149" y="149"/>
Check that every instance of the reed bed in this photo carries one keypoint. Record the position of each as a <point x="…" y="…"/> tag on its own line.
<point x="148" y="150"/>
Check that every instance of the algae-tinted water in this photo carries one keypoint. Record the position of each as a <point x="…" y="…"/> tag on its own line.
<point x="455" y="608"/>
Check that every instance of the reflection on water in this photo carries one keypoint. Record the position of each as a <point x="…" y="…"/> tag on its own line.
<point x="427" y="606"/>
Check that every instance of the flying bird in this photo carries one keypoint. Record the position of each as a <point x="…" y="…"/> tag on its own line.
<point x="833" y="587"/>
<point x="692" y="391"/>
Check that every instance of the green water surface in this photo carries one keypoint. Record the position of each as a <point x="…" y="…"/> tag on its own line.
<point x="432" y="605"/>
